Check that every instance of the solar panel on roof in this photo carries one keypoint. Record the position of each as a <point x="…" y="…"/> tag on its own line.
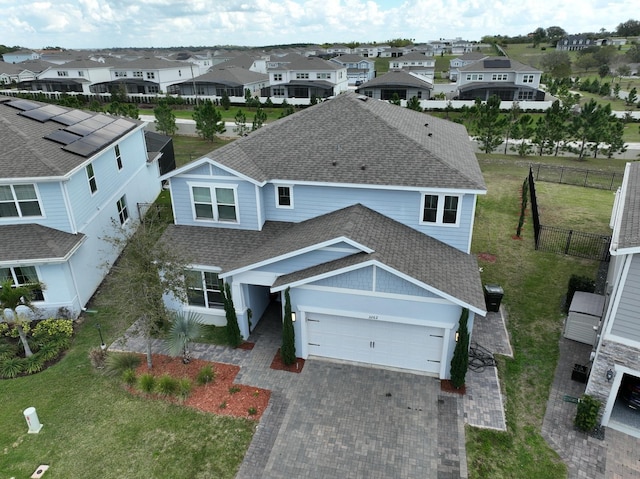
<point x="72" y="117"/>
<point x="81" y="147"/>
<point x="80" y="129"/>
<point x="497" y="63"/>
<point x="62" y="136"/>
<point x="44" y="113"/>
<point x="23" y="105"/>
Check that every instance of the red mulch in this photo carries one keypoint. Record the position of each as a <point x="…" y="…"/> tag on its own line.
<point x="247" y="346"/>
<point x="210" y="397"/>
<point x="446" y="386"/>
<point x="279" y="365"/>
<point x="488" y="257"/>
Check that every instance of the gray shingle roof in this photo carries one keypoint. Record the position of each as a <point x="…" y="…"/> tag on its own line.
<point x="399" y="78"/>
<point x="483" y="66"/>
<point x="33" y="242"/>
<point x="331" y="141"/>
<point x="629" y="234"/>
<point x="229" y="75"/>
<point x="394" y="244"/>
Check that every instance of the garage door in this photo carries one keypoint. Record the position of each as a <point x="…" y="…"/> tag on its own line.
<point x="399" y="345"/>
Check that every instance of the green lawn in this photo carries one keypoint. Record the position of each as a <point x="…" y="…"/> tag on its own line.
<point x="227" y="115"/>
<point x="534" y="285"/>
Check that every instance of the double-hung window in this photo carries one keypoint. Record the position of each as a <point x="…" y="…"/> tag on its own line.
<point x="215" y="203"/>
<point x="440" y="209"/>
<point x="91" y="177"/>
<point x="284" y="196"/>
<point x="19" y="201"/>
<point x="118" y="157"/>
<point x="204" y="289"/>
<point x="123" y="212"/>
<point x="22" y="276"/>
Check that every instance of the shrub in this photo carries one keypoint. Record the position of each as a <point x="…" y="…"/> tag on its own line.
<point x="288" y="349"/>
<point x="578" y="283"/>
<point x="53" y="327"/>
<point x="234" y="389"/>
<point x="7" y="350"/>
<point x="98" y="357"/>
<point x="11" y="367"/>
<point x="223" y="405"/>
<point x="587" y="415"/>
<point x="119" y="362"/>
<point x="184" y="388"/>
<point x="129" y="377"/>
<point x="146" y="383"/>
<point x="49" y="351"/>
<point x="166" y="385"/>
<point x="205" y="375"/>
<point x="460" y="360"/>
<point x="252" y="411"/>
<point x="33" y="364"/>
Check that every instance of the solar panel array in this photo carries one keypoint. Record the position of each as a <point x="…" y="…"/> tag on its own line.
<point x="83" y="134"/>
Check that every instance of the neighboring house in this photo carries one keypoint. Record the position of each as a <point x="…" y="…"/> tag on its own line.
<point x="248" y="62"/>
<point x="20" y="56"/>
<point x="74" y="76"/>
<point x="305" y="77"/>
<point x="362" y="209"/>
<point x="222" y="78"/>
<point x="406" y="85"/>
<point x="334" y="50"/>
<point x="394" y="52"/>
<point x="616" y="364"/>
<point x="414" y="62"/>
<point x="359" y="69"/>
<point x="508" y="79"/>
<point x="367" y="50"/>
<point x="67" y="179"/>
<point x="575" y="43"/>
<point x="9" y="73"/>
<point x="464" y="60"/>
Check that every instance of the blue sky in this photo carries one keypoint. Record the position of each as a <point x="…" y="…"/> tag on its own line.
<point x="166" y="23"/>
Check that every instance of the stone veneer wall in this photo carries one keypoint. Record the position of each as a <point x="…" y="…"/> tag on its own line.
<point x="610" y="354"/>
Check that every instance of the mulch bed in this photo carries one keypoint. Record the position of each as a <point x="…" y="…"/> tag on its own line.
<point x="247" y="346"/>
<point x="446" y="386"/>
<point x="221" y="396"/>
<point x="488" y="257"/>
<point x="279" y="365"/>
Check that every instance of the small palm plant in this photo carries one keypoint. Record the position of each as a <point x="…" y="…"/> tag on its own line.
<point x="12" y="297"/>
<point x="184" y="329"/>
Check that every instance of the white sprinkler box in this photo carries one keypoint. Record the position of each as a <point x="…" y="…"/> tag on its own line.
<point x="31" y="416"/>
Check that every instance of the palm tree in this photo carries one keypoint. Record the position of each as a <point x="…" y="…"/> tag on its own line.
<point x="184" y="329"/>
<point x="10" y="298"/>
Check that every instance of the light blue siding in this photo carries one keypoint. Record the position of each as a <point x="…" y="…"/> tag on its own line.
<point x="306" y="260"/>
<point x="387" y="282"/>
<point x="246" y="209"/>
<point x="626" y="323"/>
<point x="257" y="299"/>
<point x="361" y="279"/>
<point x="208" y="170"/>
<point x="53" y="208"/>
<point x="402" y="206"/>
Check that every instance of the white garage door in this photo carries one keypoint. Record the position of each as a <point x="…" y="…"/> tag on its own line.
<point x="399" y="345"/>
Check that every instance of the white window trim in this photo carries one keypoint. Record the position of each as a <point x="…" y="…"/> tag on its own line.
<point x="203" y="287"/>
<point x="118" y="153"/>
<point x="14" y="277"/>
<point x="212" y="188"/>
<point x="15" y="200"/>
<point x="125" y="207"/>
<point x="278" y="205"/>
<point x="440" y="211"/>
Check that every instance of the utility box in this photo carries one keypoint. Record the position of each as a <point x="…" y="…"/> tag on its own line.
<point x="583" y="320"/>
<point x="493" y="294"/>
<point x="33" y="422"/>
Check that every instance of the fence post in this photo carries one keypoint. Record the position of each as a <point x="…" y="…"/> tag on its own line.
<point x="566" y="249"/>
<point x="586" y="175"/>
<point x="561" y="174"/>
<point x="613" y="177"/>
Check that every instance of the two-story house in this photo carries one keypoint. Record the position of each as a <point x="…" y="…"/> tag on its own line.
<point x="74" y="76"/>
<point x="19" y="56"/>
<point x="359" y="69"/>
<point x="68" y="179"/>
<point x="574" y="43"/>
<point x="220" y="79"/>
<point x="509" y="79"/>
<point x="404" y="84"/>
<point x="362" y="210"/>
<point x="415" y="62"/>
<point x="306" y="77"/>
<point x="467" y="59"/>
<point x="615" y="372"/>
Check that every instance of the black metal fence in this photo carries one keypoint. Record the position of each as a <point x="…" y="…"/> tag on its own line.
<point x="603" y="180"/>
<point x="565" y="241"/>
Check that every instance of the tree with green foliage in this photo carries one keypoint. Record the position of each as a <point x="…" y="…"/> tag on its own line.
<point x="208" y="120"/>
<point x="616" y="91"/>
<point x="268" y="103"/>
<point x="538" y="36"/>
<point x="414" y="104"/>
<point x="557" y="64"/>
<point x="630" y="28"/>
<point x="259" y="119"/>
<point x="633" y="54"/>
<point x="488" y="124"/>
<point x="460" y="360"/>
<point x="632" y="97"/>
<point x="511" y="123"/>
<point x="613" y="138"/>
<point x="555" y="33"/>
<point x="589" y="126"/>
<point x="13" y="297"/>
<point x="287" y="109"/>
<point x="586" y="61"/>
<point x="185" y="328"/>
<point x="288" y="349"/>
<point x="395" y="99"/>
<point x="234" y="338"/>
<point x="241" y="128"/>
<point x="225" y="101"/>
<point x="522" y="132"/>
<point x="165" y="119"/>
<point x="603" y="71"/>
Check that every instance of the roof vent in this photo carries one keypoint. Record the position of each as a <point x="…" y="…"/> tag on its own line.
<point x="334" y="162"/>
<point x="426" y="124"/>
<point x="430" y="134"/>
<point x="363" y="167"/>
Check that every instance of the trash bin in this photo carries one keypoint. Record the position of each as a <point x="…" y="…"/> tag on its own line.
<point x="493" y="294"/>
<point x="579" y="373"/>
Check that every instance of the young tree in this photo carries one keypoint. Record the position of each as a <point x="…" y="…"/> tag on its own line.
<point x="208" y="120"/>
<point x="225" y="101"/>
<point x="395" y="99"/>
<point x="460" y="360"/>
<point x="259" y="119"/>
<point x="588" y="127"/>
<point x="11" y="298"/>
<point x="145" y="271"/>
<point x="185" y="328"/>
<point x="234" y="338"/>
<point x="632" y="97"/>
<point x="288" y="349"/>
<point x="538" y="36"/>
<point x="241" y="128"/>
<point x="287" y="109"/>
<point x="165" y="119"/>
<point x="523" y="131"/>
<point x="488" y="124"/>
<point x="414" y="104"/>
<point x="557" y="64"/>
<point x="511" y="123"/>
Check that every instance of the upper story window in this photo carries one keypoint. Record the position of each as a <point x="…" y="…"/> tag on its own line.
<point x="475" y="77"/>
<point x="215" y="203"/>
<point x="80" y="73"/>
<point x="302" y="76"/>
<point x="63" y="73"/>
<point x="123" y="212"/>
<point x="204" y="289"/>
<point x="527" y="79"/>
<point x="499" y="77"/>
<point x="91" y="177"/>
<point x="151" y="75"/>
<point x="277" y="77"/>
<point x="284" y="196"/>
<point x="118" y="157"/>
<point x="440" y="209"/>
<point x="120" y="74"/>
<point x="21" y="276"/>
<point x="323" y="76"/>
<point x="19" y="201"/>
<point x="137" y="74"/>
